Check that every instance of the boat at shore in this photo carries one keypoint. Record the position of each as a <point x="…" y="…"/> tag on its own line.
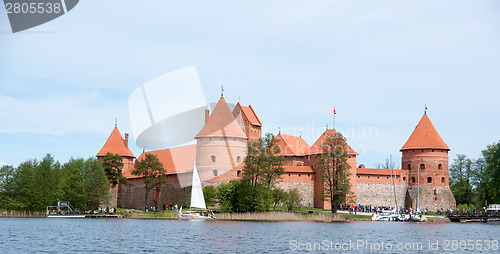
<point x="200" y="211"/>
<point x="63" y="210"/>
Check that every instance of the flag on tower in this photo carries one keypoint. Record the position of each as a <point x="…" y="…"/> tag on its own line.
<point x="334" y="111"/>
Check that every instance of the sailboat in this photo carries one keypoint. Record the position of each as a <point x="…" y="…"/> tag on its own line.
<point x="388" y="215"/>
<point x="197" y="202"/>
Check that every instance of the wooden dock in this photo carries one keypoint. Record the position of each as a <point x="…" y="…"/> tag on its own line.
<point x="474" y="217"/>
<point x="103" y="216"/>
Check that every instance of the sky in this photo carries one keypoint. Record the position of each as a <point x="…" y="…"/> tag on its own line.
<point x="63" y="83"/>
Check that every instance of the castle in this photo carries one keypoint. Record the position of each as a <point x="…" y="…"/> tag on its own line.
<point x="220" y="150"/>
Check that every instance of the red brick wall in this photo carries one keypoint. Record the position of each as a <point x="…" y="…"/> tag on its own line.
<point x="431" y="158"/>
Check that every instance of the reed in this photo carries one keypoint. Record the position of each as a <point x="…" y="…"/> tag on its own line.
<point x="22" y="214"/>
<point x="281" y="216"/>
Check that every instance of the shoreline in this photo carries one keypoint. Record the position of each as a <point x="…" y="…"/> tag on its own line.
<point x="264" y="216"/>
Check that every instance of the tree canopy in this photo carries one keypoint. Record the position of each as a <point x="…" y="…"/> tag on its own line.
<point x="34" y="185"/>
<point x="151" y="169"/>
<point x="334" y="170"/>
<point x="477" y="181"/>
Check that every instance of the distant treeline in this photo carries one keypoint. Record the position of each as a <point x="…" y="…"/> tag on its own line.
<point x="36" y="184"/>
<point x="475" y="183"/>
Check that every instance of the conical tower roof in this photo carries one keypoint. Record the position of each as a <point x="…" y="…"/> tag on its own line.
<point x="116" y="145"/>
<point x="221" y="123"/>
<point x="425" y="136"/>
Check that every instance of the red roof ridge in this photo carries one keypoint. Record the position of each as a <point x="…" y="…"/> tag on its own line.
<point x="176" y="160"/>
<point x="249" y="112"/>
<point x="316" y="147"/>
<point x="425" y="136"/>
<point x="295" y="149"/>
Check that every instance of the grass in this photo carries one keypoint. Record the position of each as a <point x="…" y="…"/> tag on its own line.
<point x="354" y="216"/>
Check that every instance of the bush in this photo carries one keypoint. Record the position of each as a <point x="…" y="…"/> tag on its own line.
<point x="292" y="199"/>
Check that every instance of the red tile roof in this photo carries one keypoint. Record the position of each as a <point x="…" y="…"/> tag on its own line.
<point x="316" y="147"/>
<point x="250" y="114"/>
<point x="377" y="171"/>
<point x="116" y="145"/>
<point x="425" y="136"/>
<point x="291" y="145"/>
<point x="221" y="123"/>
<point x="298" y="169"/>
<point x="175" y="160"/>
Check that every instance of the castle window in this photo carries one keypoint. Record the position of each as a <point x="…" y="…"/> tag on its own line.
<point x="213" y="158"/>
<point x="442" y="179"/>
<point x="308" y="175"/>
<point x="238" y="159"/>
<point x="387" y="177"/>
<point x="358" y="176"/>
<point x="409" y="166"/>
<point x="215" y="172"/>
<point x="368" y="176"/>
<point x="404" y="178"/>
<point x="422" y="166"/>
<point x="413" y="179"/>
<point x="429" y="179"/>
<point x="238" y="173"/>
<point x="299" y="174"/>
<point x="440" y="166"/>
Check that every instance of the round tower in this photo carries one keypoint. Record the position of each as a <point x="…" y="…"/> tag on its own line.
<point x="425" y="157"/>
<point x="221" y="144"/>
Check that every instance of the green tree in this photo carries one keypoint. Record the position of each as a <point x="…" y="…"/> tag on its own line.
<point x="209" y="193"/>
<point x="73" y="183"/>
<point x="7" y="174"/>
<point x="151" y="169"/>
<point x="491" y="184"/>
<point x="278" y="196"/>
<point x="46" y="183"/>
<point x="113" y="165"/>
<point x="461" y="179"/>
<point x="241" y="196"/>
<point x="226" y="195"/>
<point x="292" y="199"/>
<point x="334" y="170"/>
<point x="481" y="177"/>
<point x="95" y="182"/>
<point x="263" y="164"/>
<point x="23" y="186"/>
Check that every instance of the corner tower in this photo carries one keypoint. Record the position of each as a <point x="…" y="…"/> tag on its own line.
<point x="425" y="156"/>
<point x="221" y="143"/>
<point x="117" y="145"/>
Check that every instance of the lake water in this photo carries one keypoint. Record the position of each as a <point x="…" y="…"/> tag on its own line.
<point x="37" y="235"/>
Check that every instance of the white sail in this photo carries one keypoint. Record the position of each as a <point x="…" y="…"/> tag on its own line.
<point x="197" y="199"/>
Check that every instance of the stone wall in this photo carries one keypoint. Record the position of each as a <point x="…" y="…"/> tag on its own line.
<point x="380" y="194"/>
<point x="133" y="196"/>
<point x="432" y="198"/>
<point x="305" y="189"/>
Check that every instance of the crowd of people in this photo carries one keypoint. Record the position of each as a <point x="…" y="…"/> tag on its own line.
<point x="165" y="207"/>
